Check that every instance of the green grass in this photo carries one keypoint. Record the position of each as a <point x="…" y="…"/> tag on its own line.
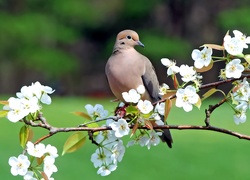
<point x="195" y="154"/>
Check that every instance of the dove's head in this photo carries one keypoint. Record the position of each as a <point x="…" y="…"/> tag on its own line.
<point x="128" y="38"/>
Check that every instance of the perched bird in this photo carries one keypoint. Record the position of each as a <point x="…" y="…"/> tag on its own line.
<point x="128" y="69"/>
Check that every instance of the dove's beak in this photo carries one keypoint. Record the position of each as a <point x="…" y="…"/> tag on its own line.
<point x="140" y="44"/>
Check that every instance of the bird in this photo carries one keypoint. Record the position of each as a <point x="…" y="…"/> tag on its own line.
<point x="127" y="69"/>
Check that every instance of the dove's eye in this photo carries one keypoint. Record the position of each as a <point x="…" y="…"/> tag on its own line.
<point x="129" y="37"/>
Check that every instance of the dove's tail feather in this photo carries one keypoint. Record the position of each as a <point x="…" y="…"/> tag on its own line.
<point x="166" y="136"/>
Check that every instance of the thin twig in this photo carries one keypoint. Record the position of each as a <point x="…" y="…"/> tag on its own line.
<point x="211" y="108"/>
<point x="115" y="118"/>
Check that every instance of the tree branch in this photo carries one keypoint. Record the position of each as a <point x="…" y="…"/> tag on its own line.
<point x="55" y="130"/>
<point x="41" y="121"/>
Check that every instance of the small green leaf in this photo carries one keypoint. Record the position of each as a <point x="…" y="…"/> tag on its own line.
<point x="236" y="102"/>
<point x="24" y="135"/>
<point x="93" y="125"/>
<point x="131" y="110"/>
<point x="74" y="142"/>
<point x="210" y="92"/>
<point x="83" y="114"/>
<point x="247" y="58"/>
<point x="198" y="104"/>
<point x="3" y="113"/>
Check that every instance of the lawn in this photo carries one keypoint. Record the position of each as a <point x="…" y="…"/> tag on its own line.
<point x="195" y="154"/>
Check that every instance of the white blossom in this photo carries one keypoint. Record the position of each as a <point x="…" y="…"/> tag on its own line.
<point x="172" y="68"/>
<point x="242" y="106"/>
<point x="118" y="151"/>
<point x="244" y="40"/>
<point x="143" y="140"/>
<point x="30" y="105"/>
<point x="106" y="169"/>
<point x="159" y="122"/>
<point x="37" y="90"/>
<point x="141" y="89"/>
<point x="51" y="150"/>
<point x="37" y="150"/>
<point x="160" y="108"/>
<point x="101" y="156"/>
<point x="29" y="176"/>
<point x="240" y="117"/>
<point x="19" y="165"/>
<point x="97" y="111"/>
<point x="243" y="91"/>
<point x="163" y="89"/>
<point x="131" y="96"/>
<point x="202" y="58"/>
<point x="15" y="109"/>
<point x="153" y="139"/>
<point x="145" y="106"/>
<point x="235" y="45"/>
<point x="49" y="166"/>
<point x="42" y="92"/>
<point x="186" y="98"/>
<point x="120" y="127"/>
<point x="234" y="69"/>
<point x="106" y="137"/>
<point x="188" y="73"/>
<point x="155" y="116"/>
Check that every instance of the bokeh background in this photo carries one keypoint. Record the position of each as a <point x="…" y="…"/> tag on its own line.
<point x="65" y="44"/>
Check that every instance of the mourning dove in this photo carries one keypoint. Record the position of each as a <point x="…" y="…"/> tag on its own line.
<point x="128" y="69"/>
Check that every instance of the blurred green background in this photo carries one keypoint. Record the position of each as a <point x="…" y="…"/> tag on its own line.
<point x="66" y="43"/>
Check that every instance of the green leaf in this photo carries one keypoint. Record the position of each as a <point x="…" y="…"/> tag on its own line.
<point x="3" y="113"/>
<point x="236" y="102"/>
<point x="198" y="104"/>
<point x="74" y="142"/>
<point x="24" y="135"/>
<point x="210" y="92"/>
<point x="131" y="110"/>
<point x="93" y="125"/>
<point x="247" y="58"/>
